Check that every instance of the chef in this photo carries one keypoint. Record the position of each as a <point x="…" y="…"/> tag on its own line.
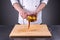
<point x="29" y="7"/>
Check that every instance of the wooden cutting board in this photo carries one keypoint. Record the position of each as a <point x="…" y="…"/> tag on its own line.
<point x="34" y="31"/>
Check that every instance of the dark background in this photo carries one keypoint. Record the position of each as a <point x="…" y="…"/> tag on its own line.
<point x="51" y="16"/>
<point x="9" y="16"/>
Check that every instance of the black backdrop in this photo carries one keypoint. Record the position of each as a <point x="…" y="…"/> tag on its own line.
<point x="9" y="16"/>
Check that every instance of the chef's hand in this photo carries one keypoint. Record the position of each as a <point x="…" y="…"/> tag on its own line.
<point x="23" y="14"/>
<point x="33" y="13"/>
<point x="29" y="13"/>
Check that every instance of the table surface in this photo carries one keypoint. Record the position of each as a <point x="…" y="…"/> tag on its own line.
<point x="6" y="29"/>
<point x="34" y="31"/>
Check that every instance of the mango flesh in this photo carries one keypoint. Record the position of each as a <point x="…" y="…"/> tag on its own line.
<point x="31" y="18"/>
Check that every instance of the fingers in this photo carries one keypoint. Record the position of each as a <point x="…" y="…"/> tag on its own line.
<point x="25" y="13"/>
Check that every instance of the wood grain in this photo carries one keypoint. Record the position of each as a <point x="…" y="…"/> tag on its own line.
<point x="34" y="30"/>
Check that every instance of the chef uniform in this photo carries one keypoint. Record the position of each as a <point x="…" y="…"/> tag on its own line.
<point x="30" y="5"/>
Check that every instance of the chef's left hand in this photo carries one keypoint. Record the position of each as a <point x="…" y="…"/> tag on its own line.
<point x="35" y="13"/>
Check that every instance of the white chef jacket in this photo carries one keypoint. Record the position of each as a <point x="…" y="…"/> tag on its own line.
<point x="30" y="5"/>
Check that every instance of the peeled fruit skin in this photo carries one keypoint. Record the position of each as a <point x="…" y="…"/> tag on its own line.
<point x="31" y="18"/>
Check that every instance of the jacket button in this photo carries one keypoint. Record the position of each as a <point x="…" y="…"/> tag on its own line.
<point x="35" y="6"/>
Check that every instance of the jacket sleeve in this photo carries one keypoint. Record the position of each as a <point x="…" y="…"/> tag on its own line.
<point x="14" y="1"/>
<point x="44" y="1"/>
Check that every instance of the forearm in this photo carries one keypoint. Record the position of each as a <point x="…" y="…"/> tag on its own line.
<point x="41" y="7"/>
<point x="17" y="7"/>
<point x="21" y="11"/>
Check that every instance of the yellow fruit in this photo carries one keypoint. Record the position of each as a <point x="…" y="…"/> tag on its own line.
<point x="34" y="18"/>
<point x="31" y="18"/>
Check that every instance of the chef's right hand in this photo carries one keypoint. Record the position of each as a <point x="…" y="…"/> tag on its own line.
<point x="23" y="14"/>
